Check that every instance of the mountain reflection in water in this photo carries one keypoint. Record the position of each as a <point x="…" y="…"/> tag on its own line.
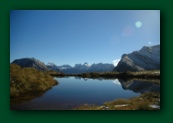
<point x="75" y="91"/>
<point x="140" y="86"/>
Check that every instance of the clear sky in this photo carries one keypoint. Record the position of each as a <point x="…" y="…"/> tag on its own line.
<point x="78" y="36"/>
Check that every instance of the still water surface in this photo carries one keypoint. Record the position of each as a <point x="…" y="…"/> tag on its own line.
<point x="75" y="91"/>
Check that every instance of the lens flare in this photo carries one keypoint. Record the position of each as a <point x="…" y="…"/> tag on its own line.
<point x="138" y="24"/>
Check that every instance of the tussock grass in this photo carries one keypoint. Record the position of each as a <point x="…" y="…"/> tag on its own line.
<point x="27" y="80"/>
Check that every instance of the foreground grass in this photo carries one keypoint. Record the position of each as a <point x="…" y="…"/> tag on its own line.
<point x="24" y="81"/>
<point x="147" y="101"/>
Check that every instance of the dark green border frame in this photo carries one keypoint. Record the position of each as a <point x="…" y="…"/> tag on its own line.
<point x="160" y="116"/>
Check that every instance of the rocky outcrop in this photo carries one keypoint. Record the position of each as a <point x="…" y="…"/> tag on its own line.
<point x="31" y="62"/>
<point x="148" y="58"/>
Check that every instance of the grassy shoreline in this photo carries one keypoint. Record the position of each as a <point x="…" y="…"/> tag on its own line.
<point x="146" y="101"/>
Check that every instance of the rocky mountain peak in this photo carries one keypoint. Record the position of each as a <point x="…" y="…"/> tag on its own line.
<point x="147" y="58"/>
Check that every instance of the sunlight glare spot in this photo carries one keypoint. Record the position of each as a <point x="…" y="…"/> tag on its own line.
<point x="138" y="24"/>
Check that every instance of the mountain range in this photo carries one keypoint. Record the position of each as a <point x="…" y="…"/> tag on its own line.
<point x="147" y="58"/>
<point x="67" y="69"/>
<point x="83" y="68"/>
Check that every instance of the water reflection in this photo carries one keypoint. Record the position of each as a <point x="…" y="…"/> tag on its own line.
<point x="76" y="77"/>
<point x="28" y="97"/>
<point x="75" y="91"/>
<point x="140" y="86"/>
<point x="116" y="81"/>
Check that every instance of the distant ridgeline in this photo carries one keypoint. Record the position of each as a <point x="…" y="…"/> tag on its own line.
<point x="67" y="69"/>
<point x="148" y="58"/>
<point x="84" y="68"/>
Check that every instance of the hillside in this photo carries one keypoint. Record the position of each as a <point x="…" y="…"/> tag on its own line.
<point x="148" y="58"/>
<point x="30" y="62"/>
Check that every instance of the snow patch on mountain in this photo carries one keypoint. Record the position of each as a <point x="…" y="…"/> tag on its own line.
<point x="115" y="62"/>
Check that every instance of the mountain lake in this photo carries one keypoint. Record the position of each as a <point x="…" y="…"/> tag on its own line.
<point x="75" y="91"/>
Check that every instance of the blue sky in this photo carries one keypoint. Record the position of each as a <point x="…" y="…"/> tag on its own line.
<point x="78" y="36"/>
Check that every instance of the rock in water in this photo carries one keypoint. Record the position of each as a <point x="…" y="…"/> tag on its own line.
<point x="148" y="58"/>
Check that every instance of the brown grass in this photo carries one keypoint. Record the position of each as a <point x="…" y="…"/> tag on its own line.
<point x="142" y="102"/>
<point x="27" y="80"/>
